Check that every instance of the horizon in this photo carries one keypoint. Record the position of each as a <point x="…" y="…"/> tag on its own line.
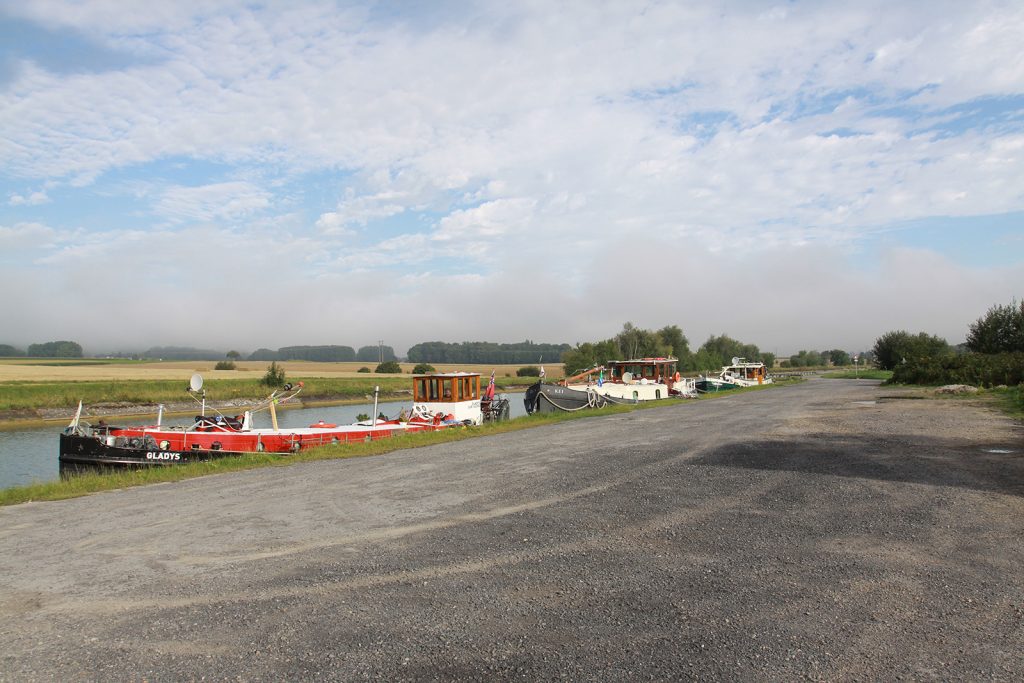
<point x="808" y="175"/>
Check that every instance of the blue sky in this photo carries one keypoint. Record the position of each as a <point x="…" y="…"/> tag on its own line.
<point x="798" y="175"/>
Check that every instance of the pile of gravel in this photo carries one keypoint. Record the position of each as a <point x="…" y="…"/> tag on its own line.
<point x="957" y="389"/>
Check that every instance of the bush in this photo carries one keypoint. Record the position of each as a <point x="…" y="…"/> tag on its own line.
<point x="528" y="371"/>
<point x="976" y="369"/>
<point x="898" y="347"/>
<point x="224" y="365"/>
<point x="423" y="369"/>
<point x="363" y="369"/>
<point x="274" y="376"/>
<point x="389" y="367"/>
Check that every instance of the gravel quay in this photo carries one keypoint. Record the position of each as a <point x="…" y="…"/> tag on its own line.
<point x="831" y="530"/>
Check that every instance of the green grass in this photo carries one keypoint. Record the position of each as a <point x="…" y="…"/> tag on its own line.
<point x="859" y="374"/>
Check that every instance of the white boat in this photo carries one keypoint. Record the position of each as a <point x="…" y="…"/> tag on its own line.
<point x="625" y="381"/>
<point x="741" y="373"/>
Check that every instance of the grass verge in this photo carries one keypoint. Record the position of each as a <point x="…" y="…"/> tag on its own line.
<point x="884" y="375"/>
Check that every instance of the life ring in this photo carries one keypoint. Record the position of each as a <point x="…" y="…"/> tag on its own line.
<point x="675" y="377"/>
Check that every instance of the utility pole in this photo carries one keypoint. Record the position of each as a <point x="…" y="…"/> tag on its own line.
<point x="380" y="348"/>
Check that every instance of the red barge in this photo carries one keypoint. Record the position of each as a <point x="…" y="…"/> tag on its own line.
<point x="440" y="401"/>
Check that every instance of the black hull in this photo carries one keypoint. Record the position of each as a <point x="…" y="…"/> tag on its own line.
<point x="552" y="398"/>
<point x="87" y="453"/>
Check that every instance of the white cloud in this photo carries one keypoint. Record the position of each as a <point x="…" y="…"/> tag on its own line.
<point x="609" y="140"/>
<point x="33" y="199"/>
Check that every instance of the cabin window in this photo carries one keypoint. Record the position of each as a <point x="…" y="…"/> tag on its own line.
<point x="434" y="393"/>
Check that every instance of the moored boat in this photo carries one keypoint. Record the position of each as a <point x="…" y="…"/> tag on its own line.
<point x="439" y="401"/>
<point x="628" y="381"/>
<point x="741" y="373"/>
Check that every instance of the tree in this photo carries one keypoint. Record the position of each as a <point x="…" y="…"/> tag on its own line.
<point x="377" y="354"/>
<point x="233" y="355"/>
<point x="274" y="376"/>
<point x="895" y="347"/>
<point x="1000" y="330"/>
<point x="806" y="359"/>
<point x="55" y="349"/>
<point x="673" y="338"/>
<point x="8" y="350"/>
<point x="389" y="367"/>
<point x="423" y="369"/>
<point x="838" y="357"/>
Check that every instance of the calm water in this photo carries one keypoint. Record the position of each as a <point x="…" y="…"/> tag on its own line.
<point x="28" y="455"/>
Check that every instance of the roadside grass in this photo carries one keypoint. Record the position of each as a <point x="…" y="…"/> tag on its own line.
<point x="884" y="375"/>
<point x="96" y="482"/>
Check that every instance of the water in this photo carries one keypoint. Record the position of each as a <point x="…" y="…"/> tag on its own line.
<point x="30" y="455"/>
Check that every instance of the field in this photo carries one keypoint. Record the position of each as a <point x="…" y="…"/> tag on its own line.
<point x="29" y="387"/>
<point x="84" y="370"/>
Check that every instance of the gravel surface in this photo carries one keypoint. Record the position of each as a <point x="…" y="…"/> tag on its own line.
<point x="825" y="531"/>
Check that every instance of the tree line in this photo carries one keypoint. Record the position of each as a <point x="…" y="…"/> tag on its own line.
<point x="330" y="353"/>
<point x="485" y="352"/>
<point x="993" y="354"/>
<point x="634" y="342"/>
<point x="53" y="349"/>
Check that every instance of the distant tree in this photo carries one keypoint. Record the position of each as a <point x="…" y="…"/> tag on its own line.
<point x="55" y="349"/>
<point x="372" y="354"/>
<point x="224" y="365"/>
<point x="263" y="354"/>
<point x="895" y="347"/>
<point x="330" y="353"/>
<point x="363" y="369"/>
<point x="806" y="359"/>
<point x="389" y="367"/>
<point x="528" y="371"/>
<point x="719" y="351"/>
<point x="274" y="376"/>
<point x="423" y="369"/>
<point x="8" y="350"/>
<point x="1000" y="330"/>
<point x="838" y="357"/>
<point x="182" y="353"/>
<point x="768" y="359"/>
<point x="234" y="355"/>
<point x="634" y="342"/>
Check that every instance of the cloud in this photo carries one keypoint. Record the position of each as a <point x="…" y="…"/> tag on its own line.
<point x="555" y="163"/>
<point x="33" y="199"/>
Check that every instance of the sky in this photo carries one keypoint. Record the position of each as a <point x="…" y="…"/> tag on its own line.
<point x="238" y="175"/>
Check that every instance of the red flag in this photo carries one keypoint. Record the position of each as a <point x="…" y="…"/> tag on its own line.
<point x="490" y="387"/>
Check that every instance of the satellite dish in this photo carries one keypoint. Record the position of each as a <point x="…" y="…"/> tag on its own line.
<point x="735" y="361"/>
<point x="196" y="383"/>
<point x="627" y="377"/>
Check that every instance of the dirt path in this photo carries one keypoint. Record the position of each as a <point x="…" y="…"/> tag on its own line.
<point x="818" y="531"/>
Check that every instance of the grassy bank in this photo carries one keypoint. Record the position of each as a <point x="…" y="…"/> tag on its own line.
<point x="883" y="375"/>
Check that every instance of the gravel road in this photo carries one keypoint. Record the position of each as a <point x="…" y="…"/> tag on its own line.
<point x="823" y="531"/>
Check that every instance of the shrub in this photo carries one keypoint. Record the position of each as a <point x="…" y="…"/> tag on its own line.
<point x="528" y="371"/>
<point x="274" y="376"/>
<point x="389" y="367"/>
<point x="363" y="369"/>
<point x="976" y="369"/>
<point x="224" y="365"/>
<point x="423" y="369"/>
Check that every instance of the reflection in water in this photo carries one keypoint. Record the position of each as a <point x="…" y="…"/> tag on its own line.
<point x="30" y="455"/>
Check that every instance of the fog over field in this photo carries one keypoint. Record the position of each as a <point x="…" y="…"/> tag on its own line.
<point x="233" y="176"/>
